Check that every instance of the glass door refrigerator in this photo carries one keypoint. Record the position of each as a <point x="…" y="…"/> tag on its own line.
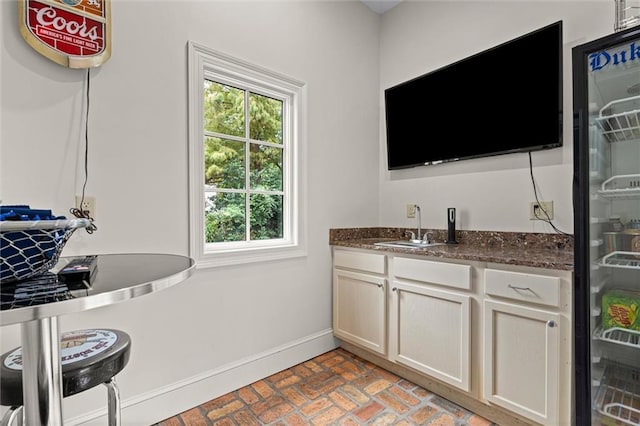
<point x="606" y="106"/>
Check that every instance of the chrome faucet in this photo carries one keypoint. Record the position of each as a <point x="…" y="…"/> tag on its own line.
<point x="419" y="238"/>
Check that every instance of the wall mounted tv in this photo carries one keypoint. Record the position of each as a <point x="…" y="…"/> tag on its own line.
<point x="503" y="100"/>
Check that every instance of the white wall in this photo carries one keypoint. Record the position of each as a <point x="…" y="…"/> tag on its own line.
<point x="491" y="193"/>
<point x="138" y="173"/>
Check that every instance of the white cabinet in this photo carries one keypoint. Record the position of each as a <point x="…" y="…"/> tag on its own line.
<point x="427" y="271"/>
<point x="369" y="262"/>
<point x="522" y="345"/>
<point x="523" y="287"/>
<point x="430" y="332"/>
<point x="359" y="300"/>
<point x="522" y="360"/>
<point x="430" y="320"/>
<point x="495" y="334"/>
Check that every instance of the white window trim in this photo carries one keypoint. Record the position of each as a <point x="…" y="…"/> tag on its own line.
<point x="207" y="63"/>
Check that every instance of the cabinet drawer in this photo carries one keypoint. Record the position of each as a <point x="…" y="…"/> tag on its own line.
<point x="447" y="274"/>
<point x="525" y="287"/>
<point x="370" y="262"/>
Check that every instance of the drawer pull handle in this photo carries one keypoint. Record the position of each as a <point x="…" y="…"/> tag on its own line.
<point x="551" y="323"/>
<point x="520" y="288"/>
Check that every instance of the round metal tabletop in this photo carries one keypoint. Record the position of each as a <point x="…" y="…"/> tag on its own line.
<point x="118" y="277"/>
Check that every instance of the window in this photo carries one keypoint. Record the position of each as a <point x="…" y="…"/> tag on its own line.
<point x="246" y="161"/>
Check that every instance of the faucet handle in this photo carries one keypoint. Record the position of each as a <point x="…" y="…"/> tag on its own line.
<point x="410" y="234"/>
<point x="427" y="237"/>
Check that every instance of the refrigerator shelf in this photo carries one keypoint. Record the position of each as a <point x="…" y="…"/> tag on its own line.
<point x="619" y="336"/>
<point x="621" y="194"/>
<point x="621" y="259"/>
<point x="622" y="126"/>
<point x="598" y="220"/>
<point x="621" y="187"/>
<point x="619" y="399"/>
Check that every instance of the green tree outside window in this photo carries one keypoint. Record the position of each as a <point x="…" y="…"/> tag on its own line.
<point x="244" y="195"/>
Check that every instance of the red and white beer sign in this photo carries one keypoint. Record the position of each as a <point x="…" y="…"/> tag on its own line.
<point x="73" y="33"/>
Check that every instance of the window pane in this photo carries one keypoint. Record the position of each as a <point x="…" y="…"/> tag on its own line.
<point x="265" y="118"/>
<point x="266" y="216"/>
<point x="265" y="167"/>
<point x="224" y="217"/>
<point x="223" y="109"/>
<point x="224" y="163"/>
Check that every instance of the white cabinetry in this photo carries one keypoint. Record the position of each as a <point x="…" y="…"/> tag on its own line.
<point x="429" y="325"/>
<point x="359" y="299"/>
<point x="497" y="337"/>
<point x="521" y="364"/>
<point x="522" y="341"/>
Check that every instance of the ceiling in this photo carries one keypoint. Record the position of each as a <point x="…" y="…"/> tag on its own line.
<point x="380" y="6"/>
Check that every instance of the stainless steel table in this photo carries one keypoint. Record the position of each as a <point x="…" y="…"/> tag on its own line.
<point x="118" y="277"/>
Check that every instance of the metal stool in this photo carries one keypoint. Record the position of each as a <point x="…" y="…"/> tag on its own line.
<point x="88" y="358"/>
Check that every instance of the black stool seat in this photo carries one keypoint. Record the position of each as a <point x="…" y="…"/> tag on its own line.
<point x="88" y="357"/>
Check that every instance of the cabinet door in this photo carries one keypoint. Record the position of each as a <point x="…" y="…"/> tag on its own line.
<point x="359" y="312"/>
<point x="430" y="332"/>
<point x="522" y="357"/>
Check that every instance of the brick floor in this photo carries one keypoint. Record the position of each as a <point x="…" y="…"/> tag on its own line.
<point x="335" y="388"/>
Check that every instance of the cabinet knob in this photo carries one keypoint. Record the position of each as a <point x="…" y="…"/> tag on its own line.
<point x="380" y="286"/>
<point x="394" y="289"/>
<point x="551" y="323"/>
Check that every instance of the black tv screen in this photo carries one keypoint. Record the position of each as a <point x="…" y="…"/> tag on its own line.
<point x="503" y="100"/>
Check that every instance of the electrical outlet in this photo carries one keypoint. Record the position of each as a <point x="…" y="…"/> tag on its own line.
<point x="411" y="210"/>
<point x="89" y="204"/>
<point x="536" y="210"/>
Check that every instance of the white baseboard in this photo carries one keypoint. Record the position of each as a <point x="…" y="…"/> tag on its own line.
<point x="165" y="402"/>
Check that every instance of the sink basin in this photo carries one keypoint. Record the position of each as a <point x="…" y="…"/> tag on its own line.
<point x="407" y="244"/>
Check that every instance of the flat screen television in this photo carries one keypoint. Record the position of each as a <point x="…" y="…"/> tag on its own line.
<point x="503" y="100"/>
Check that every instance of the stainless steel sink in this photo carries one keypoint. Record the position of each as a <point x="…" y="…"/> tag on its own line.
<point x="407" y="244"/>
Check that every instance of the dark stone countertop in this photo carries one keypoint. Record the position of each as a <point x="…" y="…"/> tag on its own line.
<point x="539" y="250"/>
